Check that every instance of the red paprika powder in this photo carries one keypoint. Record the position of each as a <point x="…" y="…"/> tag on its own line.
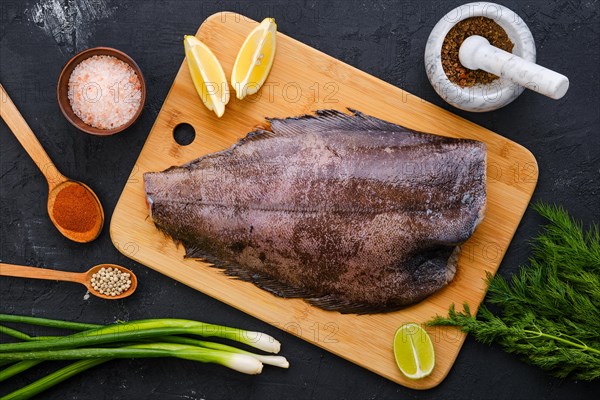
<point x="75" y="209"/>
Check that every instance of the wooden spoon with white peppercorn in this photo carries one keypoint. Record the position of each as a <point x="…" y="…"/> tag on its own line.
<point x="107" y="281"/>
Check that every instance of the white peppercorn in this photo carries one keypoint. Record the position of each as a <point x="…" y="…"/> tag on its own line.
<point x="111" y="281"/>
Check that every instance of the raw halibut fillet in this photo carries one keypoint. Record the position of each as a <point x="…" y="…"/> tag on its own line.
<point x="350" y="212"/>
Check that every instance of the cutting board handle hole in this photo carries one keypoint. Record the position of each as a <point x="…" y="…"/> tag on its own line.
<point x="184" y="134"/>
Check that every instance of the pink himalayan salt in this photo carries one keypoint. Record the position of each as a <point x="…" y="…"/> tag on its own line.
<point x="104" y="92"/>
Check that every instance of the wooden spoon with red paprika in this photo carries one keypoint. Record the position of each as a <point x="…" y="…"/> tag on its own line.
<point x="73" y="207"/>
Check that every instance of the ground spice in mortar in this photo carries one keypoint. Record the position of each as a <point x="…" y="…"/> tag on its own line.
<point x="75" y="209"/>
<point x="481" y="26"/>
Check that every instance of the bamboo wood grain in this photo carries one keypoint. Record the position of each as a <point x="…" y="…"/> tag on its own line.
<point x="303" y="80"/>
<point x="19" y="127"/>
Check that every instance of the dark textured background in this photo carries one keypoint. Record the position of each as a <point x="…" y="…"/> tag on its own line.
<point x="383" y="38"/>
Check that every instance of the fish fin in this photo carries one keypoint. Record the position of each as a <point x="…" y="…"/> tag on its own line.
<point x="328" y="302"/>
<point x="333" y="302"/>
<point x="278" y="288"/>
<point x="370" y="122"/>
<point x="257" y="134"/>
<point x="230" y="268"/>
<point x="330" y="120"/>
<point x="236" y="271"/>
<point x="322" y="120"/>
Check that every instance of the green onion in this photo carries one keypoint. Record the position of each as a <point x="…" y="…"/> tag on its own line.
<point x="52" y="323"/>
<point x="277" y="361"/>
<point x="142" y="329"/>
<point x="22" y="336"/>
<point x="53" y="379"/>
<point x="17" y="368"/>
<point x="239" y="362"/>
<point x="96" y="344"/>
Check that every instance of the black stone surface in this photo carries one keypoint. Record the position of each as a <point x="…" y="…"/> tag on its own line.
<point x="383" y="38"/>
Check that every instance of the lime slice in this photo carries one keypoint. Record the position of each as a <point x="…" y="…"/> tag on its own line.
<point x="207" y="74"/>
<point x="255" y="59"/>
<point x="413" y="351"/>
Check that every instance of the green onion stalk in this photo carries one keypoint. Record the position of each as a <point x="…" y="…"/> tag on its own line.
<point x="53" y="379"/>
<point x="277" y="361"/>
<point x="95" y="344"/>
<point x="17" y="368"/>
<point x="239" y="362"/>
<point x="143" y="329"/>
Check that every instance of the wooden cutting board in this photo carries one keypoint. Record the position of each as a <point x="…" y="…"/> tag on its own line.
<point x="303" y="80"/>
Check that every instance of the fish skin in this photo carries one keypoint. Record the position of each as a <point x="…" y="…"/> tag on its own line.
<point x="352" y="213"/>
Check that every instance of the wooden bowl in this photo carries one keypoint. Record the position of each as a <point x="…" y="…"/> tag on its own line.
<point x="62" y="90"/>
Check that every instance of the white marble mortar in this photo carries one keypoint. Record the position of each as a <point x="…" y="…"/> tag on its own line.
<point x="478" y="98"/>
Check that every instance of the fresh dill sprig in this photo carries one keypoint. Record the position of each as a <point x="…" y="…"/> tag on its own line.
<point x="550" y="310"/>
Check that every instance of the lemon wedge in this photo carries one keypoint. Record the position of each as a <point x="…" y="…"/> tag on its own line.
<point x="413" y="351"/>
<point x="207" y="74"/>
<point x="255" y="59"/>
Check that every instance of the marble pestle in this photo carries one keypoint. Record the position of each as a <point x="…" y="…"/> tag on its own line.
<point x="477" y="53"/>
